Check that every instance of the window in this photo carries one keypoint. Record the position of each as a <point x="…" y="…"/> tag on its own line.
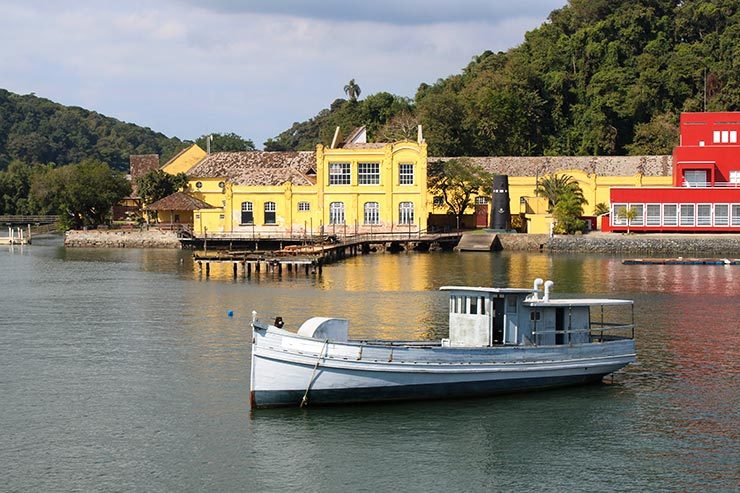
<point x="735" y="218"/>
<point x="463" y="304"/>
<point x="616" y="217"/>
<point x="406" y="213"/>
<point x="481" y="200"/>
<point x="652" y="215"/>
<point x="735" y="177"/>
<point x="304" y="206"/>
<point x="704" y="215"/>
<point x="482" y="305"/>
<point x="639" y="219"/>
<point x="221" y="216"/>
<point x="368" y="173"/>
<point x="270" y="213"/>
<point x="721" y="214"/>
<point x="339" y="174"/>
<point x="406" y="174"/>
<point x="687" y="214"/>
<point x="715" y="137"/>
<point x="695" y="178"/>
<point x="438" y="201"/>
<point x="247" y="214"/>
<point x="336" y="213"/>
<point x="670" y="215"/>
<point x="725" y="137"/>
<point x="372" y="215"/>
<point x="733" y="136"/>
<point x="473" y="305"/>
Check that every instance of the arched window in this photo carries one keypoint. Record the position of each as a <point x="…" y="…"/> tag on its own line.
<point x="336" y="213"/>
<point x="406" y="213"/>
<point x="372" y="215"/>
<point x="247" y="214"/>
<point x="269" y="212"/>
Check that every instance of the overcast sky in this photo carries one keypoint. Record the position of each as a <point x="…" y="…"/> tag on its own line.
<point x="253" y="67"/>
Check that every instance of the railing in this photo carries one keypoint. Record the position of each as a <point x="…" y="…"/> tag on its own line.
<point x="328" y="236"/>
<point x="598" y="330"/>
<point x="28" y="219"/>
<point x="706" y="184"/>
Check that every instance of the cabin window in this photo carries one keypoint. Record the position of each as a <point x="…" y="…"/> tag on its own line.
<point x="511" y="304"/>
<point x="534" y="315"/>
<point x="247" y="214"/>
<point x="473" y="305"/>
<point x="463" y="302"/>
<point x="482" y="305"/>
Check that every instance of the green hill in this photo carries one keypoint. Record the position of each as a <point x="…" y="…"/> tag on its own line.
<point x="598" y="77"/>
<point x="36" y="130"/>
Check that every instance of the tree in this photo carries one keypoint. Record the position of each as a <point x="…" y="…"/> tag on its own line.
<point x="81" y="194"/>
<point x="403" y="126"/>
<point x="567" y="212"/>
<point x="230" y="142"/>
<point x="627" y="213"/>
<point x="601" y="208"/>
<point x="553" y="187"/>
<point x="352" y="90"/>
<point x="457" y="181"/>
<point x="157" y="184"/>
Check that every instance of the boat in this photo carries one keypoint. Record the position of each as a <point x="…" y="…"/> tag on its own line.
<point x="501" y="340"/>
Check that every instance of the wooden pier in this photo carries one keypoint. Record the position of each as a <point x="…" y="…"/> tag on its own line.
<point x="309" y="258"/>
<point x="16" y="236"/>
<point x="681" y="261"/>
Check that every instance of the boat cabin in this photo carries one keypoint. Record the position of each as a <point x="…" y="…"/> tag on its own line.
<point x="480" y="317"/>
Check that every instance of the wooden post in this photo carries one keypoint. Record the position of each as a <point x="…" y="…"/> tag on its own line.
<point x="234" y="268"/>
<point x="249" y="268"/>
<point x="208" y="269"/>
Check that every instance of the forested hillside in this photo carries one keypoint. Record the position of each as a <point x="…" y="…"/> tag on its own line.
<point x="599" y="77"/>
<point x="36" y="130"/>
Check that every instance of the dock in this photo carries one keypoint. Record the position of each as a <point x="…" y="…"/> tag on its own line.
<point x="681" y="261"/>
<point x="16" y="236"/>
<point x="309" y="257"/>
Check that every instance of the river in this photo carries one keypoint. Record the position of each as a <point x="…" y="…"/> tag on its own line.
<point x="120" y="370"/>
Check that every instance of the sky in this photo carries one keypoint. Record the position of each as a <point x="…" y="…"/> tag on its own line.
<point x="253" y="67"/>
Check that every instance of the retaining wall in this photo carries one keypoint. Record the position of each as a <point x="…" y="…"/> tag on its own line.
<point x="152" y="238"/>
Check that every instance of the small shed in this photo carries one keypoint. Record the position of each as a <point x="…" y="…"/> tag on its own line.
<point x="176" y="208"/>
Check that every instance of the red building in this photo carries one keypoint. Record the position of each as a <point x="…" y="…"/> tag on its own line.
<point x="705" y="196"/>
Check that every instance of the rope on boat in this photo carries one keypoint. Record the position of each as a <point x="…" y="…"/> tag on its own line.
<point x="304" y="401"/>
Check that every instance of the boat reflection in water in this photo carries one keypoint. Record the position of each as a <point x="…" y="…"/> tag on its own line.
<point x="500" y="340"/>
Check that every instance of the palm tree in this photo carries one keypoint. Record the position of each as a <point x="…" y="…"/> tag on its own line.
<point x="555" y="186"/>
<point x="628" y="213"/>
<point x="352" y="90"/>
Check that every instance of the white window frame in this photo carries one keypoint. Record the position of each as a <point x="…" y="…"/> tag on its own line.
<point x="683" y="217"/>
<point x="340" y="173"/>
<point x="406" y="213"/>
<point x="726" y="215"/>
<point x="725" y="136"/>
<point x="336" y="213"/>
<point x="639" y="219"/>
<point x="734" y="177"/>
<point x="670" y="219"/>
<point x="653" y="219"/>
<point x="371" y="214"/>
<point x="247" y="207"/>
<point x="481" y="200"/>
<point x="406" y="174"/>
<point x="735" y="215"/>
<point x="690" y="181"/>
<point x="304" y="206"/>
<point x="733" y="136"/>
<point x="270" y="208"/>
<point x="616" y="219"/>
<point x="706" y="219"/>
<point x="368" y="173"/>
<point x="716" y="135"/>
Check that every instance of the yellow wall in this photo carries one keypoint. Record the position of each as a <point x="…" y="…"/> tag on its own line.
<point x="185" y="160"/>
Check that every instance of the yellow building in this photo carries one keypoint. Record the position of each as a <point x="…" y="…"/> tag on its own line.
<point x="184" y="160"/>
<point x="355" y="187"/>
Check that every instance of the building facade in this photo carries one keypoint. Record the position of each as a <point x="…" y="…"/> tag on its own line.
<point x="704" y="195"/>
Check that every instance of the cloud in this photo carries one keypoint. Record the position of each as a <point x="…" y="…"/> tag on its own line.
<point x="254" y="68"/>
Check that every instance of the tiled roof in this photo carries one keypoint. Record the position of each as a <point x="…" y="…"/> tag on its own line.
<point x="257" y="167"/>
<point x="179" y="201"/>
<point x="598" y="165"/>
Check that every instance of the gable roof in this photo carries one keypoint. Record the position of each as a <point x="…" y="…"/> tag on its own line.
<point x="257" y="167"/>
<point x="179" y="201"/>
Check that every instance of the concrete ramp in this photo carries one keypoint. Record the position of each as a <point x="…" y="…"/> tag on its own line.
<point x="485" y="242"/>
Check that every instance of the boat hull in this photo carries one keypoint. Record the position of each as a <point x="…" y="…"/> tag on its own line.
<point x="285" y="369"/>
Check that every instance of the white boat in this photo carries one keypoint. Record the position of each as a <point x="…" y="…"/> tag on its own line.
<point x="500" y="340"/>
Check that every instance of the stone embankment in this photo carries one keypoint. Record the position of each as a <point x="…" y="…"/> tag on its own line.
<point x="655" y="244"/>
<point x="152" y="238"/>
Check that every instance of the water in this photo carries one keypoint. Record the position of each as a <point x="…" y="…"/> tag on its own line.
<point x="119" y="370"/>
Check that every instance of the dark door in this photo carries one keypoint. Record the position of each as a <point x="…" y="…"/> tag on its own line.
<point x="559" y="326"/>
<point x="498" y="320"/>
<point x="481" y="215"/>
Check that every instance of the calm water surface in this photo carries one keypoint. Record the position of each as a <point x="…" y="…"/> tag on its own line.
<point x="119" y="370"/>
